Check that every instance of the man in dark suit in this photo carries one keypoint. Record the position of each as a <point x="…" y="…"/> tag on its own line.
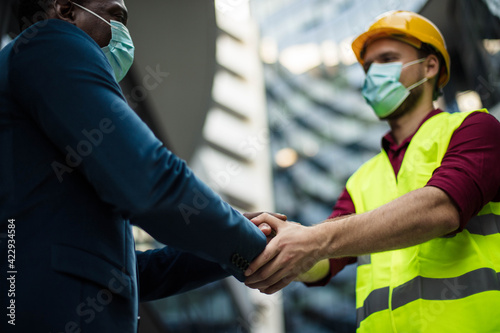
<point x="78" y="168"/>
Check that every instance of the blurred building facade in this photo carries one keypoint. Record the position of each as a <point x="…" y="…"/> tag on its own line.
<point x="233" y="158"/>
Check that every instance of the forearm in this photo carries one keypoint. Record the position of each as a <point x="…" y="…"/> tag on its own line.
<point x="412" y="219"/>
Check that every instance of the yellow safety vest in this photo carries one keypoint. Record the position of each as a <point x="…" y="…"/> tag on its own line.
<point x="448" y="284"/>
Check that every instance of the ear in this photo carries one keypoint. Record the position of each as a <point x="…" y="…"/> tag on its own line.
<point x="64" y="10"/>
<point x="431" y="66"/>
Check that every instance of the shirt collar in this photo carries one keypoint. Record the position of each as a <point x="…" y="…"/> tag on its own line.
<point x="388" y="142"/>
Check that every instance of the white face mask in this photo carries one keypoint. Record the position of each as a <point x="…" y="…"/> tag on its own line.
<point x="382" y="89"/>
<point x="120" y="51"/>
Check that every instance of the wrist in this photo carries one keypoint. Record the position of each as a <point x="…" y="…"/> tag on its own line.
<point x="324" y="240"/>
<point x="332" y="243"/>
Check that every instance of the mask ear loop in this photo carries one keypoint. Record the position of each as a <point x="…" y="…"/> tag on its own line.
<point x="416" y="84"/>
<point x="418" y="61"/>
<point x="91" y="12"/>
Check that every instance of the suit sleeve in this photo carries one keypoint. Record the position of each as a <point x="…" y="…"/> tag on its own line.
<point x="67" y="87"/>
<point x="167" y="271"/>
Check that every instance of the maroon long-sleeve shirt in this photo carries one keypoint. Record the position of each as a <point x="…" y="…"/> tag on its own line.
<point x="469" y="172"/>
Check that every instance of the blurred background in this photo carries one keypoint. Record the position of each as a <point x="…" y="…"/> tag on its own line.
<point x="262" y="99"/>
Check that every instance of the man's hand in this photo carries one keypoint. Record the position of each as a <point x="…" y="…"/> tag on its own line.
<point x="252" y="215"/>
<point x="264" y="227"/>
<point x="294" y="250"/>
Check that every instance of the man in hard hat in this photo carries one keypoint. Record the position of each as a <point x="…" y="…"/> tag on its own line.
<point x="422" y="217"/>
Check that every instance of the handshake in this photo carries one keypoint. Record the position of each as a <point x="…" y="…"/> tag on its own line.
<point x="293" y="253"/>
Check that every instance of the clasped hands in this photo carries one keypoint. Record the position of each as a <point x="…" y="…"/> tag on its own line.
<point x="291" y="251"/>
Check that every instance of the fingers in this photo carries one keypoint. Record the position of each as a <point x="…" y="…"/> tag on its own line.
<point x="272" y="221"/>
<point x="293" y="251"/>
<point x="266" y="229"/>
<point x="267" y="280"/>
<point x="277" y="286"/>
<point x="272" y="283"/>
<point x="255" y="214"/>
<point x="262" y="280"/>
<point x="251" y="215"/>
<point x="269" y="253"/>
<point x="282" y="217"/>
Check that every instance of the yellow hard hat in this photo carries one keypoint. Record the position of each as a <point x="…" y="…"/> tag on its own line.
<point x="410" y="28"/>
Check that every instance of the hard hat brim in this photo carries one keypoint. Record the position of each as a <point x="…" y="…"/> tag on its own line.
<point x="362" y="41"/>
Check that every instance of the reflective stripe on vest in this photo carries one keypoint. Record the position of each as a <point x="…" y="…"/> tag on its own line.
<point x="378" y="300"/>
<point x="471" y="283"/>
<point x="484" y="225"/>
<point x="448" y="284"/>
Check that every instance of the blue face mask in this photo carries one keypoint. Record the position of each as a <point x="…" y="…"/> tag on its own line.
<point x="120" y="51"/>
<point x="382" y="89"/>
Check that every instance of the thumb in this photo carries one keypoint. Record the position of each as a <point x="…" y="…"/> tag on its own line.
<point x="266" y="229"/>
<point x="272" y="221"/>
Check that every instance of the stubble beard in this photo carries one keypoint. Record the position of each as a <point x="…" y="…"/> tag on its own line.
<point x="408" y="104"/>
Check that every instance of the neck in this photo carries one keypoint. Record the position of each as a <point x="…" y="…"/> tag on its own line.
<point x="406" y="124"/>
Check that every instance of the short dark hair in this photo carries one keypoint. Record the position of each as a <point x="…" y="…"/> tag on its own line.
<point x="31" y="11"/>
<point x="426" y="50"/>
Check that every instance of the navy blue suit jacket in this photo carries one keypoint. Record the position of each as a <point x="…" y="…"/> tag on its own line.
<point x="78" y="167"/>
